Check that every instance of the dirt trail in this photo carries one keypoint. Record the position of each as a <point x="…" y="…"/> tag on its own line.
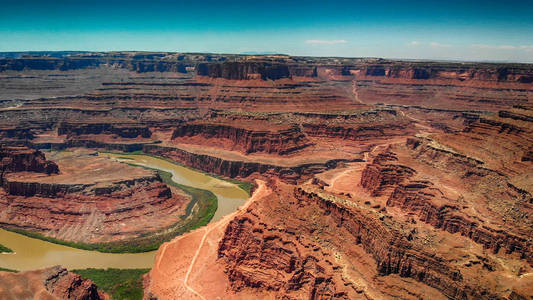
<point x="259" y="193"/>
<point x="192" y="264"/>
<point x="354" y="91"/>
<point x="341" y="175"/>
<point x="376" y="147"/>
<point x="418" y="122"/>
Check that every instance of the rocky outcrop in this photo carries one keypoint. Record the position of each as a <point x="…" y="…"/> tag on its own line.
<point x="137" y="64"/>
<point x="510" y="130"/>
<point x="28" y="189"/>
<point x="286" y="266"/>
<point x="514" y="116"/>
<point x="279" y="256"/>
<point x="356" y="132"/>
<point x="66" y="285"/>
<point x="93" y="200"/>
<point x="47" y="63"/>
<point x="462" y="72"/>
<point x="303" y="70"/>
<point x="19" y="159"/>
<point x="244" y="70"/>
<point x="282" y="141"/>
<point x="381" y="175"/>
<point x="54" y="283"/>
<point x="140" y="65"/>
<point x="15" y="186"/>
<point x="122" y="130"/>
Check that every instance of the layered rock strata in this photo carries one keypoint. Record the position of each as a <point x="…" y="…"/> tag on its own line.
<point x="244" y="70"/>
<point x="19" y="159"/>
<point x="122" y="130"/>
<point x="356" y="209"/>
<point x="409" y="191"/>
<point x="281" y="141"/>
<point x="240" y="169"/>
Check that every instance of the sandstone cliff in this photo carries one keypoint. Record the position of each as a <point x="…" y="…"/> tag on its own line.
<point x="19" y="159"/>
<point x="244" y="70"/>
<point x="121" y="130"/>
<point x="280" y="141"/>
<point x="242" y="169"/>
<point x="462" y="72"/>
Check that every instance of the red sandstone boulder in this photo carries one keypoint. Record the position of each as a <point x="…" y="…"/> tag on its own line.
<point x="54" y="283"/>
<point x="19" y="159"/>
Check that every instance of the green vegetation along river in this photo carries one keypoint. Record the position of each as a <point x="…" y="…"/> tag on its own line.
<point x="29" y="253"/>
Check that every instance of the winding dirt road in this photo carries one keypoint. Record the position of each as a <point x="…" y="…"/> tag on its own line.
<point x="355" y="93"/>
<point x="174" y="281"/>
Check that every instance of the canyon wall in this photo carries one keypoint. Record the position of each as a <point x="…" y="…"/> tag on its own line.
<point x="244" y="70"/>
<point x="135" y="64"/>
<point x="287" y="266"/>
<point x="380" y="176"/>
<point x="463" y="72"/>
<point x="91" y="214"/>
<point x="239" y="169"/>
<point x="417" y="197"/>
<point x="122" y="130"/>
<point x="266" y="250"/>
<point x="282" y="141"/>
<point x="356" y="132"/>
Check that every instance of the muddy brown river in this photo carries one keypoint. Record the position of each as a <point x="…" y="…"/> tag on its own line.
<point x="32" y="253"/>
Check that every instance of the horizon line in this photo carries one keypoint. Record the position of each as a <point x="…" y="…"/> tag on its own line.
<point x="271" y="53"/>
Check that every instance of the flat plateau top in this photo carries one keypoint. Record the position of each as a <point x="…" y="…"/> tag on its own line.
<point x="83" y="167"/>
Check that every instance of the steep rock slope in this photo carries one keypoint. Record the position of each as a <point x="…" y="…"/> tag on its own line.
<point x="19" y="159"/>
<point x="241" y="136"/>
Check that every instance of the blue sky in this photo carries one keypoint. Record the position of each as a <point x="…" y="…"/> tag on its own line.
<point x="463" y="30"/>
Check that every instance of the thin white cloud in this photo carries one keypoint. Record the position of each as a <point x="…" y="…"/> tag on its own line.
<point x="482" y="46"/>
<point x="325" y="42"/>
<point x="527" y="47"/>
<point x="432" y="44"/>
<point x="507" y="47"/>
<point x="502" y="47"/>
<point x="439" y="45"/>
